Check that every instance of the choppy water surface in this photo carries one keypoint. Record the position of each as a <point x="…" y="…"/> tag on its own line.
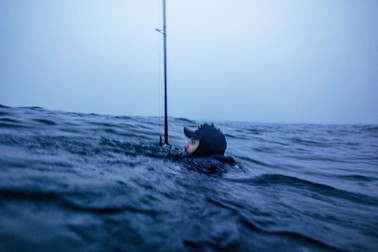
<point x="79" y="182"/>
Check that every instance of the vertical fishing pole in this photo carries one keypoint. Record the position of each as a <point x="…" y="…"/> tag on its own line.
<point x="164" y="32"/>
<point x="165" y="77"/>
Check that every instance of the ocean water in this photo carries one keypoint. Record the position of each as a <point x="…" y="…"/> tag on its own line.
<point x="88" y="182"/>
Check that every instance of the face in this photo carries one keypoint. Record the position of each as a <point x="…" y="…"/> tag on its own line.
<point x="191" y="146"/>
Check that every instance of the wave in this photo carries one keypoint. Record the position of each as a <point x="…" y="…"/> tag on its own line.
<point x="45" y="121"/>
<point x="275" y="180"/>
<point x="247" y="219"/>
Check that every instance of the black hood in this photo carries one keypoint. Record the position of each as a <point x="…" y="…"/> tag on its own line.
<point x="212" y="140"/>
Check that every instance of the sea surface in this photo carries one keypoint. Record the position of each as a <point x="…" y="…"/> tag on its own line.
<point x="88" y="182"/>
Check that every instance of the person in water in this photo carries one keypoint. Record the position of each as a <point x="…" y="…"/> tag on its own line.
<point x="207" y="142"/>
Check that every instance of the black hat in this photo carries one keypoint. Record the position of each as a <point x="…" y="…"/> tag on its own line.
<point x="212" y="140"/>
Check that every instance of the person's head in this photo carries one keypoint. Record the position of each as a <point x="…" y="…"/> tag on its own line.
<point x="205" y="141"/>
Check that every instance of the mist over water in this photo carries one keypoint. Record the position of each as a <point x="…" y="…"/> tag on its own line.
<point x="89" y="182"/>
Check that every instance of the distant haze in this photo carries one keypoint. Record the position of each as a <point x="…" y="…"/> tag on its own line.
<point x="285" y="61"/>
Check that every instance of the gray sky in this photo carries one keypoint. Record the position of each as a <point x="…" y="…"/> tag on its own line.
<point x="300" y="61"/>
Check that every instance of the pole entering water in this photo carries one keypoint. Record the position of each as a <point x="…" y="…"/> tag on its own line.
<point x="165" y="78"/>
<point x="164" y="32"/>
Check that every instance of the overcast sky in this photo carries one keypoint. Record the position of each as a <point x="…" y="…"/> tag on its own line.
<point x="284" y="61"/>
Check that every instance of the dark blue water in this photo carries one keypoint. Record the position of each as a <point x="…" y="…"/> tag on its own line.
<point x="87" y="182"/>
